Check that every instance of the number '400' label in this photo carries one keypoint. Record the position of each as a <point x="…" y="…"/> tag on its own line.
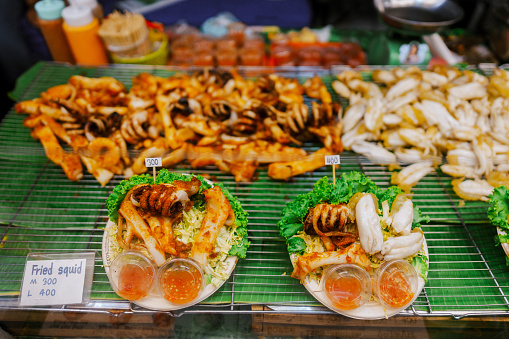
<point x="332" y="160"/>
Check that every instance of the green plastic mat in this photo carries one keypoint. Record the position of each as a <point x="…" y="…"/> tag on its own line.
<point x="42" y="211"/>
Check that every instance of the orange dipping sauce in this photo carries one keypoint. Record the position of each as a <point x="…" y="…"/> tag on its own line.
<point x="181" y="286"/>
<point x="134" y="282"/>
<point x="344" y="292"/>
<point x="394" y="288"/>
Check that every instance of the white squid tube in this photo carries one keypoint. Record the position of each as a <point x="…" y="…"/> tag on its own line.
<point x="368" y="224"/>
<point x="403" y="246"/>
<point x="402" y="219"/>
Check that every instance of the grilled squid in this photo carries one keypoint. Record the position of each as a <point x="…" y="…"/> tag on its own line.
<point x="219" y="213"/>
<point x="329" y="222"/>
<point x="162" y="199"/>
<point x="137" y="226"/>
<point x="309" y="262"/>
<point x="326" y="220"/>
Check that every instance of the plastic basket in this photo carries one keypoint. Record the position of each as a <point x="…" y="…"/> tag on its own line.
<point x="159" y="57"/>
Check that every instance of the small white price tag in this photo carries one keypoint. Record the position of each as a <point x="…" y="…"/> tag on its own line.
<point x="332" y="160"/>
<point x="53" y="282"/>
<point x="153" y="162"/>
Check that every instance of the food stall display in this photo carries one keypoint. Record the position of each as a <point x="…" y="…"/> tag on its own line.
<point x="466" y="272"/>
<point x="209" y="118"/>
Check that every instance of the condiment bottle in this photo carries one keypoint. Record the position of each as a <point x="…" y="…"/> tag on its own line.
<point x="97" y="9"/>
<point x="49" y="13"/>
<point x="80" y="27"/>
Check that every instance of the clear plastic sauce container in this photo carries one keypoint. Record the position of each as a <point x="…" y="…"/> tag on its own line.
<point x="180" y="281"/>
<point x="132" y="275"/>
<point x="396" y="283"/>
<point x="346" y="286"/>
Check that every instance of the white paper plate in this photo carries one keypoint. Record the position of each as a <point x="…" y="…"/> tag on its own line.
<point x="154" y="300"/>
<point x="371" y="310"/>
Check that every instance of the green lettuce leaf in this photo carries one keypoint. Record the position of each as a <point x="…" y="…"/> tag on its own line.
<point x="296" y="245"/>
<point x="388" y="194"/>
<point x="498" y="212"/>
<point x="501" y="239"/>
<point x="421" y="265"/>
<point x="419" y="218"/>
<point x="351" y="183"/>
<point x="239" y="249"/>
<point x="291" y="229"/>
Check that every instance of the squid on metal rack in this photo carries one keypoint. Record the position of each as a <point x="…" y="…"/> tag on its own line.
<point x="111" y="129"/>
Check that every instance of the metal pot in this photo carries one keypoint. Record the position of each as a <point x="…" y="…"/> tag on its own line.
<point x="422" y="16"/>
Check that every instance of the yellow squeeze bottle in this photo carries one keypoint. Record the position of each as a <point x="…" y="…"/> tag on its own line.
<point x="80" y="27"/>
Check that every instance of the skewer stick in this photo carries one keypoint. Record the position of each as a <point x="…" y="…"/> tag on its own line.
<point x="333" y="160"/>
<point x="334" y="175"/>
<point x="153" y="162"/>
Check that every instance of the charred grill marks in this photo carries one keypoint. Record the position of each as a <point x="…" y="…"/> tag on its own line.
<point x="326" y="220"/>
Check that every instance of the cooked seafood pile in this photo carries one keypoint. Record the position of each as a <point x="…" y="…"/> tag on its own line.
<point x="208" y="118"/>
<point x="354" y="221"/>
<point x="178" y="216"/>
<point x="419" y="117"/>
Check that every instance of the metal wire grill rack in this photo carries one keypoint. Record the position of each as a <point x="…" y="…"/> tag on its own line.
<point x="42" y="211"/>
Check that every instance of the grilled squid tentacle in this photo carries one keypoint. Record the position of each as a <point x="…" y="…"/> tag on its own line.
<point x="327" y="220"/>
<point x="218" y="210"/>
<point x="165" y="199"/>
<point x="140" y="228"/>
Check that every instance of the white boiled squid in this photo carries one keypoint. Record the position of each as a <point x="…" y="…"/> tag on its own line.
<point x="402" y="215"/>
<point x="403" y="246"/>
<point x="368" y="225"/>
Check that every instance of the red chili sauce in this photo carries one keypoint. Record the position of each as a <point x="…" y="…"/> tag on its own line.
<point x="395" y="289"/>
<point x="134" y="282"/>
<point x="344" y="292"/>
<point x="181" y="286"/>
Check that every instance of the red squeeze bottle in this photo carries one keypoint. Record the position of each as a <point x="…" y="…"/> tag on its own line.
<point x="49" y="15"/>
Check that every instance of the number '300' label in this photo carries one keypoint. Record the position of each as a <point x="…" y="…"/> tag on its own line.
<point x="153" y="162"/>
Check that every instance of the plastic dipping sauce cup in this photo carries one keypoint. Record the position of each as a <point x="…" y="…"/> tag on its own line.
<point x="132" y="275"/>
<point x="396" y="283"/>
<point x="346" y="286"/>
<point x="180" y="281"/>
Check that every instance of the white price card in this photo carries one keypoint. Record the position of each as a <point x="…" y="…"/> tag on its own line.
<point x="56" y="279"/>
<point x="153" y="162"/>
<point x="332" y="160"/>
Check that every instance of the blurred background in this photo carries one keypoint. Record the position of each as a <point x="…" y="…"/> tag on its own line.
<point x="480" y="35"/>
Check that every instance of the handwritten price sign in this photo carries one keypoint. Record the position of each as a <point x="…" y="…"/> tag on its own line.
<point x="53" y="282"/>
<point x="332" y="160"/>
<point x="153" y="162"/>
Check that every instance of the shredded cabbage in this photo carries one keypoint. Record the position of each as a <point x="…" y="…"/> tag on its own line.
<point x="187" y="229"/>
<point x="114" y="247"/>
<point x="313" y="243"/>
